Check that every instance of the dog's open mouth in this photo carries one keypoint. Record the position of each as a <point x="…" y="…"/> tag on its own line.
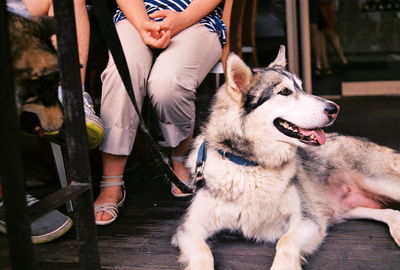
<point x="308" y="136"/>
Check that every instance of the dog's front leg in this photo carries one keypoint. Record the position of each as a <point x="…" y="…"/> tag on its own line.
<point x="302" y="238"/>
<point x="198" y="225"/>
<point x="195" y="253"/>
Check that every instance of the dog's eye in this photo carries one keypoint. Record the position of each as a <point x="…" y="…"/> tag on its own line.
<point x="285" y="92"/>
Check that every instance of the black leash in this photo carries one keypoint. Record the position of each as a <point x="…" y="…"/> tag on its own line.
<point x="110" y="35"/>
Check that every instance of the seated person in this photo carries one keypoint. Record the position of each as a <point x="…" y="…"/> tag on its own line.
<point x="185" y="38"/>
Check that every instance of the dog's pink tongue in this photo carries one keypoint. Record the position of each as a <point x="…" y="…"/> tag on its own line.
<point x="319" y="134"/>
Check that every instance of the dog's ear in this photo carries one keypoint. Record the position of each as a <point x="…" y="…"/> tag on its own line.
<point x="280" y="60"/>
<point x="47" y="23"/>
<point x="238" y="74"/>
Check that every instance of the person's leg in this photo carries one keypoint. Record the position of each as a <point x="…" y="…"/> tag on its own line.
<point x="45" y="7"/>
<point x="39" y="7"/>
<point x="326" y="68"/>
<point x="335" y="39"/>
<point x="315" y="45"/>
<point x="329" y="13"/>
<point x="121" y="120"/>
<point x="83" y="34"/>
<point x="94" y="124"/>
<point x="314" y="34"/>
<point x="176" y="74"/>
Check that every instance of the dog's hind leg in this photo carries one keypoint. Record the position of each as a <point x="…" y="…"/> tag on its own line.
<point x="302" y="238"/>
<point x="365" y="197"/>
<point x="384" y="181"/>
<point x="389" y="216"/>
<point x="373" y="168"/>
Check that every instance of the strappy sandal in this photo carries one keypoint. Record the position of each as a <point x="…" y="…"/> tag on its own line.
<point x="187" y="182"/>
<point x="110" y="208"/>
<point x="181" y="195"/>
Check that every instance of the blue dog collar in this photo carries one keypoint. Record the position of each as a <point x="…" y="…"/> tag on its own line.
<point x="237" y="159"/>
<point x="202" y="156"/>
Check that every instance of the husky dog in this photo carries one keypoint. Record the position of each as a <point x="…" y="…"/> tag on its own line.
<point x="270" y="175"/>
<point x="35" y="68"/>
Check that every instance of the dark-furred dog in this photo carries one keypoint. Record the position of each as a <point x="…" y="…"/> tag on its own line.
<point x="35" y="69"/>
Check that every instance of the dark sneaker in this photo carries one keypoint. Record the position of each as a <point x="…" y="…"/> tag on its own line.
<point x="48" y="227"/>
<point x="94" y="126"/>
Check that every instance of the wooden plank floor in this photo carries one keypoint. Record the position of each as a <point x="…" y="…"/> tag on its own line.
<point x="140" y="238"/>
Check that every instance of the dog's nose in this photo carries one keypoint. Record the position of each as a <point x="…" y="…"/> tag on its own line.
<point x="332" y="110"/>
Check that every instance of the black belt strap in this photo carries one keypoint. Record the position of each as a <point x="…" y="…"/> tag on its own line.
<point x="112" y="40"/>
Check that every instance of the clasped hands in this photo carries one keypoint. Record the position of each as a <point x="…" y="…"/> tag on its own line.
<point x="158" y="34"/>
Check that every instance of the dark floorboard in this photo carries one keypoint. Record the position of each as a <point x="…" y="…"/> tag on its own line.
<point x="140" y="238"/>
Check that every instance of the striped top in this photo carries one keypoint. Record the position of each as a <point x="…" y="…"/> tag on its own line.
<point x="212" y="21"/>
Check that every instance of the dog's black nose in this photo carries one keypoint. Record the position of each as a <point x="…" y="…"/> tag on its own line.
<point x="332" y="110"/>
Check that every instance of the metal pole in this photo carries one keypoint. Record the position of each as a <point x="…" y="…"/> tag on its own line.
<point x="78" y="157"/>
<point x="305" y="46"/>
<point x="16" y="210"/>
<point x="292" y="37"/>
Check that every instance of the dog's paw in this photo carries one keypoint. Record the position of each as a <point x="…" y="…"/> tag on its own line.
<point x="200" y="266"/>
<point x="174" y="241"/>
<point x="197" y="262"/>
<point x="286" y="266"/>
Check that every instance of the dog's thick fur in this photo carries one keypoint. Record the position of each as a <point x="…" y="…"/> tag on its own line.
<point x="35" y="68"/>
<point x="296" y="191"/>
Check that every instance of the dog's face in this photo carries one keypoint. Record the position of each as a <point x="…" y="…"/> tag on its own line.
<point x="35" y="69"/>
<point x="273" y="104"/>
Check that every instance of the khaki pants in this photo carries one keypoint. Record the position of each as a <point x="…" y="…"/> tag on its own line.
<point x="170" y="82"/>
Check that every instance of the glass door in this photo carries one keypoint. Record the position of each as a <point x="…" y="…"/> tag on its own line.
<point x="353" y="47"/>
<point x="277" y="23"/>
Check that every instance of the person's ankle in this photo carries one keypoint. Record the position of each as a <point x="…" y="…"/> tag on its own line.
<point x="109" y="194"/>
<point x="180" y="170"/>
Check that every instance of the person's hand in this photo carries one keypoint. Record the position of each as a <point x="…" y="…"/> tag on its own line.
<point x="153" y="36"/>
<point x="173" y="21"/>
